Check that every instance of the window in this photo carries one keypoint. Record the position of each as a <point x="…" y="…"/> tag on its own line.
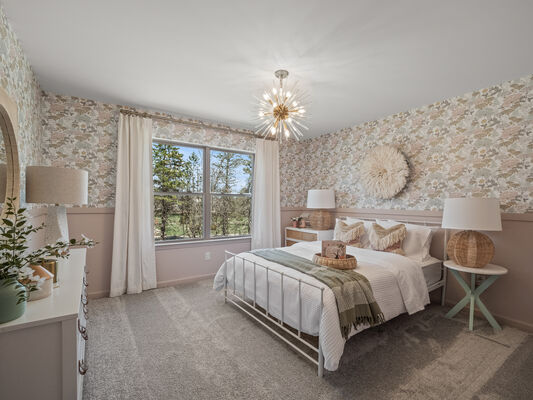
<point x="200" y="192"/>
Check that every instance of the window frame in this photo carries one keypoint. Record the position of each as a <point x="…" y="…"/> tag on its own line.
<point x="206" y="193"/>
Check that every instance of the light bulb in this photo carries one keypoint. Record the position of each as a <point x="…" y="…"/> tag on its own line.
<point x="289" y="94"/>
<point x="286" y="133"/>
<point x="273" y="130"/>
<point x="301" y="111"/>
<point x="289" y="119"/>
<point x="275" y="105"/>
<point x="265" y="96"/>
<point x="274" y="90"/>
<point x="294" y="103"/>
<point x="261" y="113"/>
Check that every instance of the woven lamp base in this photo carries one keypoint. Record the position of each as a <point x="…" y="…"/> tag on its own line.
<point x="470" y="249"/>
<point x="321" y="220"/>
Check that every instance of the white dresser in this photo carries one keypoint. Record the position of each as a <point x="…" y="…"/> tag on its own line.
<point x="42" y="352"/>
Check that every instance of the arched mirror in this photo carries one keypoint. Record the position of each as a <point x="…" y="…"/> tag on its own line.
<point x="9" y="158"/>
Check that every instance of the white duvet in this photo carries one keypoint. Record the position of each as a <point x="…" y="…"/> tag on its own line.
<point x="397" y="282"/>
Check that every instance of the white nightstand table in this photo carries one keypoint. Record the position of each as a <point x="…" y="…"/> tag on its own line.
<point x="295" y="235"/>
<point x="472" y="292"/>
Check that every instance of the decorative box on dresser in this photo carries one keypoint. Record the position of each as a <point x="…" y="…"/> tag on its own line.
<point x="42" y="353"/>
<point x="295" y="235"/>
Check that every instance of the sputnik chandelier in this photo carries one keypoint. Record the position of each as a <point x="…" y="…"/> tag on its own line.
<point x="281" y="111"/>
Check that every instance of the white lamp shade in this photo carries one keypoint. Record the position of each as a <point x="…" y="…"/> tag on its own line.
<point x="53" y="185"/>
<point x="321" y="198"/>
<point x="472" y="214"/>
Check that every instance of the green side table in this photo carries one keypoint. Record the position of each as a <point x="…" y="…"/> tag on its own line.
<point x="472" y="292"/>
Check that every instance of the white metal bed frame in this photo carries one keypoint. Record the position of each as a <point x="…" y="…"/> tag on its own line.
<point x="239" y="300"/>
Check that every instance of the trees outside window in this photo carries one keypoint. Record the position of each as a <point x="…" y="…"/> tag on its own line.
<point x="200" y="193"/>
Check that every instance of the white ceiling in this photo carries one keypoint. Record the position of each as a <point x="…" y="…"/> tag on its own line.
<point x="358" y="60"/>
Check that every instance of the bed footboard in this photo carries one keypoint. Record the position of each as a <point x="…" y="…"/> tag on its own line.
<point x="247" y="304"/>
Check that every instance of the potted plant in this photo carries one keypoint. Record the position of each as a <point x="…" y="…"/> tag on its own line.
<point x="16" y="260"/>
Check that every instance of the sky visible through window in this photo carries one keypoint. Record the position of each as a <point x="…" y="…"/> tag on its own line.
<point x="240" y="174"/>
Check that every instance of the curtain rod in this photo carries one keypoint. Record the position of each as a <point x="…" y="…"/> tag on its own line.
<point x="190" y="122"/>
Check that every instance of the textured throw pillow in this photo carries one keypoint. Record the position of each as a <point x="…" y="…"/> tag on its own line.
<point x="365" y="241"/>
<point x="389" y="240"/>
<point x="349" y="234"/>
<point x="417" y="241"/>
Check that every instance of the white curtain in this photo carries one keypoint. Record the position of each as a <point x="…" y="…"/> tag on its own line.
<point x="133" y="268"/>
<point x="266" y="224"/>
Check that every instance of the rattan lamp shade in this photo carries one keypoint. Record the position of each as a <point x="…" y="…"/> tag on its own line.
<point x="468" y="247"/>
<point x="321" y="199"/>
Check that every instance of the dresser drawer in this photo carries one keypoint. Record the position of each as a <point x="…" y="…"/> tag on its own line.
<point x="309" y="237"/>
<point x="289" y="242"/>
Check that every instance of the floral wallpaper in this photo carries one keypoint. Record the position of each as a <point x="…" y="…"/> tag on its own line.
<point x="82" y="133"/>
<point x="18" y="79"/>
<point x="478" y="144"/>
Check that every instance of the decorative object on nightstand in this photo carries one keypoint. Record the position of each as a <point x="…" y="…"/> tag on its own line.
<point x="321" y="199"/>
<point x="468" y="247"/>
<point x="56" y="186"/>
<point x="295" y="235"/>
<point x="472" y="292"/>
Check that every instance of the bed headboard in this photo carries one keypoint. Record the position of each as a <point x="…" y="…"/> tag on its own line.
<point x="438" y="242"/>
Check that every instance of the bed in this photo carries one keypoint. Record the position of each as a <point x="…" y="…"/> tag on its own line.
<point x="299" y="304"/>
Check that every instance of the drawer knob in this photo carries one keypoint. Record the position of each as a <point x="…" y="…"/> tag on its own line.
<point x="83" y="331"/>
<point x="82" y="367"/>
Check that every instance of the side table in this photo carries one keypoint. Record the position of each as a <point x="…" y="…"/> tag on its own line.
<point x="472" y="292"/>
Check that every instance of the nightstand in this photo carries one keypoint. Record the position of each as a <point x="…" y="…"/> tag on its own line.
<point x="473" y="292"/>
<point x="295" y="235"/>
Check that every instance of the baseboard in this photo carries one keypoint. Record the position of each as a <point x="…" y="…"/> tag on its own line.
<point x="190" y="279"/>
<point x="502" y="320"/>
<point x="98" y="295"/>
<point x="160" y="284"/>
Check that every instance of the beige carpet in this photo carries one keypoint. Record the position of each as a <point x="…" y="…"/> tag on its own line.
<point x="184" y="343"/>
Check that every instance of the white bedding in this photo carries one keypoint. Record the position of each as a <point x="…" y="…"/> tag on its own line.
<point x="397" y="282"/>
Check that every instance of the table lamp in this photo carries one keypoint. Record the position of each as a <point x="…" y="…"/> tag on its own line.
<point x="468" y="247"/>
<point x="56" y="186"/>
<point x="321" y="199"/>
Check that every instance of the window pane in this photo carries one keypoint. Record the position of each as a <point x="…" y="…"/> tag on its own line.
<point x="230" y="215"/>
<point x="178" y="217"/>
<point x="231" y="172"/>
<point x="177" y="168"/>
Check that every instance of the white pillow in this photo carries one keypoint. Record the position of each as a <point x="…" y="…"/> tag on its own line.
<point x="365" y="239"/>
<point x="417" y="242"/>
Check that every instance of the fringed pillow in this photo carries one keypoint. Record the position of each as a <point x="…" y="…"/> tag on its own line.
<point x="389" y="240"/>
<point x="349" y="234"/>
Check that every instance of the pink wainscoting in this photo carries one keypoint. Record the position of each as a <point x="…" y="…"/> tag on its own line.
<point x="175" y="263"/>
<point x="509" y="298"/>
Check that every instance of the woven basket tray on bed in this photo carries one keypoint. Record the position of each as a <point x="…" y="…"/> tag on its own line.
<point x="350" y="262"/>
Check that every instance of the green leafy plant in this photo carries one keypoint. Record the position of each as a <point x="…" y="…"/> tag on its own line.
<point x="15" y="259"/>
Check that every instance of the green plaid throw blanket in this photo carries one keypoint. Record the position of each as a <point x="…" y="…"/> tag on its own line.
<point x="355" y="301"/>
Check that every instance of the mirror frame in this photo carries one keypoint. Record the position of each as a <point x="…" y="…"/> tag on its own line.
<point x="9" y="126"/>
